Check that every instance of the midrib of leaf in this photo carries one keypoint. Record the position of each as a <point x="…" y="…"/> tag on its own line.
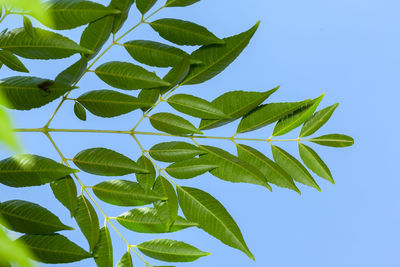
<point x="161" y="51"/>
<point x="153" y="222"/>
<point x="123" y="76"/>
<point x="103" y="165"/>
<point x="330" y="140"/>
<point x="181" y="127"/>
<point x="171" y="253"/>
<point x="295" y="163"/>
<point x="55" y="251"/>
<point x="327" y="114"/>
<point x="93" y="231"/>
<point x="129" y="193"/>
<point x="184" y="30"/>
<point x="197" y="165"/>
<point x="189" y="106"/>
<point x="126" y="103"/>
<point x="32" y="220"/>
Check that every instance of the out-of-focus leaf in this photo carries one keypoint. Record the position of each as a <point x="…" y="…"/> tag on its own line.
<point x="88" y="221"/>
<point x="12" y="61"/>
<point x="25" y="93"/>
<point x="317" y="120"/>
<point x="202" y="208"/>
<point x="145" y="5"/>
<point x="180" y="3"/>
<point x="293" y="167"/>
<point x="103" y="252"/>
<point x="146" y="180"/>
<point x="106" y="162"/>
<point x="235" y="104"/>
<point x="126" y="260"/>
<point x="184" y="32"/>
<point x="190" y="168"/>
<point x="124" y="6"/>
<point x="65" y="191"/>
<point x="174" y="151"/>
<point x="108" y="103"/>
<point x="53" y="248"/>
<point x="128" y="76"/>
<point x="7" y="135"/>
<point x="29" y="27"/>
<point x="216" y="58"/>
<point x="45" y="45"/>
<point x="334" y="140"/>
<point x="170" y="250"/>
<point x="196" y="107"/>
<point x="30" y="218"/>
<point x="167" y="210"/>
<point x="31" y="170"/>
<point x="124" y="193"/>
<point x="272" y="171"/>
<point x="312" y="160"/>
<point x="173" y="124"/>
<point x="35" y="7"/>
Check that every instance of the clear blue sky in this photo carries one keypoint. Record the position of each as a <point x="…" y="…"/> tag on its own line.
<point x="347" y="49"/>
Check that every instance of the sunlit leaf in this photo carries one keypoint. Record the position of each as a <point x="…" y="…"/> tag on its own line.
<point x="167" y="210"/>
<point x="173" y="124"/>
<point x="11" y="61"/>
<point x="317" y="120"/>
<point x="146" y="180"/>
<point x="103" y="252"/>
<point x="313" y="161"/>
<point x="180" y="3"/>
<point x="190" y="168"/>
<point x="35" y="7"/>
<point x="126" y="260"/>
<point x="334" y="140"/>
<point x="175" y="151"/>
<point x="88" y="221"/>
<point x="65" y="191"/>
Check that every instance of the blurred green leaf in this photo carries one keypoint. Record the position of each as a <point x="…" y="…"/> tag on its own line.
<point x="12" y="61"/>
<point x="126" y="260"/>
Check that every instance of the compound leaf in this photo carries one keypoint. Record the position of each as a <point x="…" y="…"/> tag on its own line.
<point x="45" y="45"/>
<point x="167" y="210"/>
<point x="30" y="218"/>
<point x="216" y="58"/>
<point x="124" y="193"/>
<point x="317" y="120"/>
<point x="184" y="32"/>
<point x="108" y="103"/>
<point x="145" y="5"/>
<point x="126" y="260"/>
<point x="190" y="168"/>
<point x="173" y="124"/>
<point x="272" y="171"/>
<point x="293" y="167"/>
<point x="128" y="76"/>
<point x="25" y="93"/>
<point x="233" y="169"/>
<point x="211" y="216"/>
<point x="11" y="61"/>
<point x="31" y="170"/>
<point x="170" y="250"/>
<point x="235" y="104"/>
<point x="103" y="252"/>
<point x="65" y="191"/>
<point x="53" y="248"/>
<point x="196" y="107"/>
<point x="106" y="162"/>
<point x="312" y="160"/>
<point x="333" y="140"/>
<point x="80" y="111"/>
<point x="88" y="221"/>
<point x="175" y="151"/>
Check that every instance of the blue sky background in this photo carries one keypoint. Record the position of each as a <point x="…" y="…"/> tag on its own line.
<point x="347" y="49"/>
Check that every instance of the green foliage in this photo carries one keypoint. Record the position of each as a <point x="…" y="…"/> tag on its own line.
<point x="185" y="157"/>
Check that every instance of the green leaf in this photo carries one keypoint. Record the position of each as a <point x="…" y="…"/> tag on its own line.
<point x="31" y="170"/>
<point x="297" y="118"/>
<point x="317" y="121"/>
<point x="29" y="27"/>
<point x="96" y="34"/>
<point x="174" y="151"/>
<point x="54" y="248"/>
<point x="146" y="180"/>
<point x="69" y="14"/>
<point x="272" y="171"/>
<point x="88" y="221"/>
<point x="12" y="61"/>
<point x="190" y="168"/>
<point x="106" y="162"/>
<point x="196" y="107"/>
<point x="146" y="220"/>
<point x="65" y="191"/>
<point x="232" y="168"/>
<point x="154" y="53"/>
<point x="80" y="111"/>
<point x="180" y="3"/>
<point x="293" y="167"/>
<point x="25" y="93"/>
<point x="45" y="45"/>
<point x="314" y="162"/>
<point x="108" y="103"/>
<point x="235" y="104"/>
<point x="124" y="193"/>
<point x="334" y="140"/>
<point x="73" y="73"/>
<point x="30" y="218"/>
<point x="126" y="260"/>
<point x="124" y="6"/>
<point x="167" y="210"/>
<point x="176" y="75"/>
<point x="216" y="58"/>
<point x="34" y="7"/>
<point x="103" y="252"/>
<point x="267" y="114"/>
<point x="145" y="5"/>
<point x="184" y="32"/>
<point x="7" y="135"/>
<point x="173" y="124"/>
<point x="127" y="76"/>
<point x="148" y="96"/>
<point x="200" y="207"/>
<point x="170" y="250"/>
